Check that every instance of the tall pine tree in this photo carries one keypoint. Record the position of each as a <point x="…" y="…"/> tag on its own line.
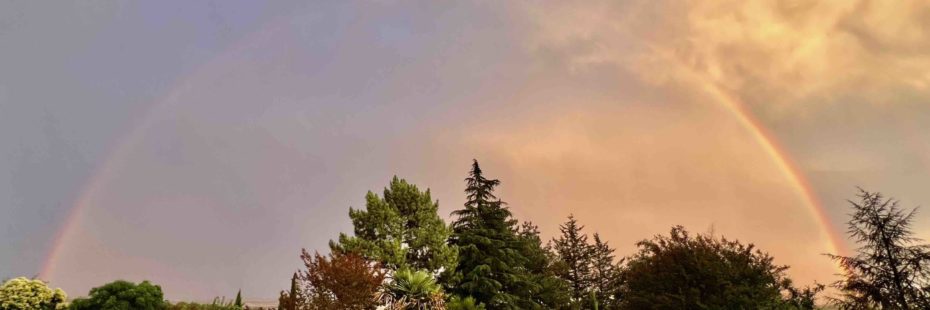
<point x="491" y="266"/>
<point x="402" y="229"/>
<point x="573" y="249"/>
<point x="606" y="274"/>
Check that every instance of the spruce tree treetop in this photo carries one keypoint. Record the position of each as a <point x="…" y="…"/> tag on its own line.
<point x="402" y="229"/>
<point x="573" y="249"/>
<point x="491" y="265"/>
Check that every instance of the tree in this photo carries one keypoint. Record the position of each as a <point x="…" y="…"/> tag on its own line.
<point x="491" y="265"/>
<point x="574" y="251"/>
<point x="413" y="290"/>
<point x="548" y="289"/>
<point x="402" y="229"/>
<point x="889" y="270"/>
<point x="605" y="274"/>
<point x="344" y="281"/>
<point x="120" y="295"/>
<point x="293" y="299"/>
<point x="703" y="272"/>
<point x="238" y="302"/>
<point x="30" y="294"/>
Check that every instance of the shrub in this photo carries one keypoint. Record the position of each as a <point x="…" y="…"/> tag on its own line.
<point x="30" y="294"/>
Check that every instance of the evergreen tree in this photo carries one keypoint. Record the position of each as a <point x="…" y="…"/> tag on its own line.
<point x="491" y="267"/>
<point x="293" y="299"/>
<point x="889" y="270"/>
<point x="402" y="229"/>
<point x="606" y="276"/>
<point x="575" y="252"/>
<point x="546" y="287"/>
<point x="238" y="302"/>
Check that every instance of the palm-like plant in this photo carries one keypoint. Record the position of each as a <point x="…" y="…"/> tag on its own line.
<point x="411" y="289"/>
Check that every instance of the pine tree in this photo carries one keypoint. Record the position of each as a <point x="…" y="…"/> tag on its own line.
<point x="402" y="229"/>
<point x="575" y="252"/>
<point x="889" y="270"/>
<point x="606" y="276"/>
<point x="491" y="265"/>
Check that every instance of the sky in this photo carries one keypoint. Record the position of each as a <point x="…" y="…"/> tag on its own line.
<point x="201" y="145"/>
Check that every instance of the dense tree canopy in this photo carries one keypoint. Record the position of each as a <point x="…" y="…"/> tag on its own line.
<point x="402" y="229"/>
<point x="29" y="294"/>
<point x="890" y="270"/>
<point x="121" y="295"/>
<point x="681" y="271"/>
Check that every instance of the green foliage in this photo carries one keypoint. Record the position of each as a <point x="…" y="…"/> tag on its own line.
<point x="217" y="304"/>
<point x="413" y="290"/>
<point x="121" y="295"/>
<point x="703" y="272"/>
<point x="467" y="303"/>
<point x="590" y="269"/>
<point x="30" y="294"/>
<point x="542" y="267"/>
<point x="491" y="267"/>
<point x="238" y="302"/>
<point x="293" y="299"/>
<point x="889" y="270"/>
<point x="402" y="229"/>
<point x="574" y="251"/>
<point x="606" y="275"/>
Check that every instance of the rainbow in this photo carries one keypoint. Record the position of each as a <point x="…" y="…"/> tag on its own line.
<point x="737" y="109"/>
<point x="115" y="156"/>
<point x="730" y="103"/>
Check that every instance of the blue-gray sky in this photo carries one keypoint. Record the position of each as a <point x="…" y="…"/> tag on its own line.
<point x="201" y="145"/>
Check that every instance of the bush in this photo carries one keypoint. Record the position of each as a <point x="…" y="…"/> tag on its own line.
<point x="122" y="295"/>
<point x="218" y="304"/>
<point x="25" y="294"/>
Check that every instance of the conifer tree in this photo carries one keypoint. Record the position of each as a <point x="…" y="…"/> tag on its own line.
<point x="238" y="302"/>
<point x="491" y="266"/>
<point x="293" y="299"/>
<point x="575" y="252"/>
<point x="606" y="274"/>
<point x="401" y="229"/>
<point x="549" y="290"/>
<point x="890" y="270"/>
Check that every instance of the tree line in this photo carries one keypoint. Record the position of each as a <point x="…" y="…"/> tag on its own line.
<point x="402" y="255"/>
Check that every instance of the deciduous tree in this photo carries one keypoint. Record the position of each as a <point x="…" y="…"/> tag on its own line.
<point x="681" y="271"/>
<point x="343" y="281"/>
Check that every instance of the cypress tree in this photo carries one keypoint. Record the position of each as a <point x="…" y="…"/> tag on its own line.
<point x="238" y="303"/>
<point x="293" y="299"/>
<point x="491" y="266"/>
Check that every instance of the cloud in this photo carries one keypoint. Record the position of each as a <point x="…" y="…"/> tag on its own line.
<point x="780" y="55"/>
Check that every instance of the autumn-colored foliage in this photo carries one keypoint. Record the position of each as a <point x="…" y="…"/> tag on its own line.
<point x="340" y="281"/>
